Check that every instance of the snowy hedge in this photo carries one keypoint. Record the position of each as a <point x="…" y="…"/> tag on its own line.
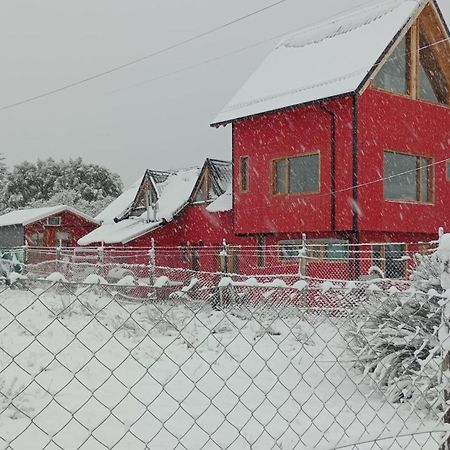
<point x="395" y="337"/>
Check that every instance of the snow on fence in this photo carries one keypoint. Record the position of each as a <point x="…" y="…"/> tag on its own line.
<point x="324" y="260"/>
<point x="226" y="362"/>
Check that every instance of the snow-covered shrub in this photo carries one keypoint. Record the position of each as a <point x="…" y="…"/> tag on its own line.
<point x="394" y="337"/>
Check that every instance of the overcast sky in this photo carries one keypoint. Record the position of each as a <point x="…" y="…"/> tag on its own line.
<point x="126" y="121"/>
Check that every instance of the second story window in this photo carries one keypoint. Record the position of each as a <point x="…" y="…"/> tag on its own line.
<point x="296" y="175"/>
<point x="244" y="173"/>
<point x="408" y="178"/>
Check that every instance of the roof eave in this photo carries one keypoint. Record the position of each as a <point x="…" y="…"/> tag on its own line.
<point x="285" y="108"/>
<point x="58" y="211"/>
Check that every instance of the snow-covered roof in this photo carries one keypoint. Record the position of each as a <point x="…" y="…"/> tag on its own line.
<point x="120" y="205"/>
<point x="31" y="215"/>
<point x="173" y="194"/>
<point x="221" y="175"/>
<point x="322" y="61"/>
<point x="222" y="203"/>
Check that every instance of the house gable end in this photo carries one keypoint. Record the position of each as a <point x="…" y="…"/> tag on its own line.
<point x="417" y="62"/>
<point x="212" y="182"/>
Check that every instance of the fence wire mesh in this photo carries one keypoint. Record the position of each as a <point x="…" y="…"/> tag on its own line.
<point x="319" y="261"/>
<point x="213" y="361"/>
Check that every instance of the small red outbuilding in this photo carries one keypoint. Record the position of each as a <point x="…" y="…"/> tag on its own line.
<point x="52" y="226"/>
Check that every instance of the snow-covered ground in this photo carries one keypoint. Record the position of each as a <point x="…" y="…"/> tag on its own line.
<point x="82" y="368"/>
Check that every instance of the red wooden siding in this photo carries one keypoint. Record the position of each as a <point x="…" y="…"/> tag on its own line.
<point x="290" y="133"/>
<point x="75" y="225"/>
<point x="393" y="122"/>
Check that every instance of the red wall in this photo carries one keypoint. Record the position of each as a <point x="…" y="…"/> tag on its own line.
<point x="393" y="122"/>
<point x="76" y="225"/>
<point x="292" y="132"/>
<point x="194" y="225"/>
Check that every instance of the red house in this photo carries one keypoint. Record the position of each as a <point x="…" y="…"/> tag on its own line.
<point x="189" y="208"/>
<point x="343" y="133"/>
<point x="54" y="226"/>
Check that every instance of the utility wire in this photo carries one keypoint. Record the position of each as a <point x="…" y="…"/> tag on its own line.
<point x="139" y="60"/>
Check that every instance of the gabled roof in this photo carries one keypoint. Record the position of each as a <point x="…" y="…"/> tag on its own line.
<point x="31" y="215"/>
<point x="173" y="188"/>
<point x="120" y="205"/>
<point x="221" y="175"/>
<point x="323" y="61"/>
<point x="218" y="174"/>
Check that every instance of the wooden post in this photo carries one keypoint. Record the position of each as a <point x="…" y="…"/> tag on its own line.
<point x="225" y="256"/>
<point x="58" y="257"/>
<point x="302" y="261"/>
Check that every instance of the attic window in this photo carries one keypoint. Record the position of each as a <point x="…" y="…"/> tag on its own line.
<point x="419" y="65"/>
<point x="202" y="193"/>
<point x="432" y="83"/>
<point x="393" y="76"/>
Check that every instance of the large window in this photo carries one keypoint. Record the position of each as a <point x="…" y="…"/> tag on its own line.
<point x="419" y="66"/>
<point x="407" y="177"/>
<point x="296" y="175"/>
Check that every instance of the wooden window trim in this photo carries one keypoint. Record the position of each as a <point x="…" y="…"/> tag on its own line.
<point x="431" y="179"/>
<point x="447" y="166"/>
<point x="273" y="171"/>
<point x="241" y="174"/>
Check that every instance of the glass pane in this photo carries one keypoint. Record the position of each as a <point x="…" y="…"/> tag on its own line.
<point x="433" y="85"/>
<point x="393" y="75"/>
<point x="244" y="174"/>
<point x="448" y="170"/>
<point x="399" y="185"/>
<point x="280" y="176"/>
<point x="304" y="174"/>
<point x="337" y="251"/>
<point x="426" y="91"/>
<point x="425" y="180"/>
<point x="201" y="195"/>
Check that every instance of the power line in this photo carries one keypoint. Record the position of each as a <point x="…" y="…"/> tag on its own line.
<point x="361" y="185"/>
<point x="139" y="60"/>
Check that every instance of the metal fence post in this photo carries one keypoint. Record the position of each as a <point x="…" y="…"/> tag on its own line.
<point x="100" y="259"/>
<point x="152" y="263"/>
<point x="443" y="254"/>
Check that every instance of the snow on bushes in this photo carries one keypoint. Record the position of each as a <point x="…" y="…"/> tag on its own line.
<point x="395" y="337"/>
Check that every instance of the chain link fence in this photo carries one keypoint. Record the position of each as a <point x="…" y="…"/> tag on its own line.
<point x="216" y="361"/>
<point x="326" y="261"/>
